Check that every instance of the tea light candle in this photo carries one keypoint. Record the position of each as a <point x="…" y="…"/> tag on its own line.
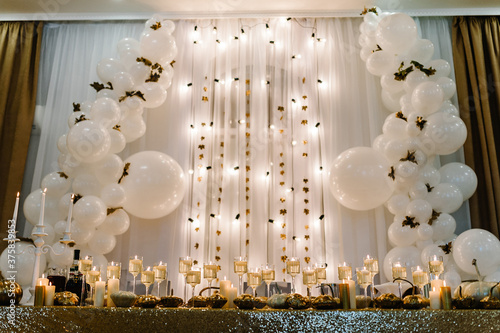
<point x="100" y="287"/>
<point x="39" y="295"/>
<point x="435" y="301"/>
<point x="352" y="293"/>
<point x="50" y="291"/>
<point x="344" y="296"/>
<point x="113" y="287"/>
<point x="445" y="297"/>
<point x="232" y="294"/>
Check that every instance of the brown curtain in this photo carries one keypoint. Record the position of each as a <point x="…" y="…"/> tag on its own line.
<point x="19" y="56"/>
<point x="476" y="53"/>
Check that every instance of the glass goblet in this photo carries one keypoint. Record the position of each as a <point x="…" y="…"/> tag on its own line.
<point x="420" y="278"/>
<point x="113" y="270"/>
<point x="92" y="276"/>
<point x="134" y="268"/>
<point x="210" y="273"/>
<point x="371" y="263"/>
<point x="293" y="269"/>
<point x="254" y="277"/>
<point x="268" y="275"/>
<point x="436" y="266"/>
<point x="160" y="273"/>
<point x="147" y="278"/>
<point x="193" y="278"/>
<point x="240" y="268"/>
<point x="399" y="272"/>
<point x="84" y="266"/>
<point x="185" y="264"/>
<point x="364" y="278"/>
<point x="309" y="278"/>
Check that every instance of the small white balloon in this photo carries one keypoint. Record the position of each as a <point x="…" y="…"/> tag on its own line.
<point x="401" y="236"/>
<point x="106" y="112"/>
<point x="397" y="204"/>
<point x="116" y="223"/>
<point x="90" y="210"/>
<point x="88" y="141"/>
<point x="445" y="198"/>
<point x="381" y="63"/>
<point x="460" y="175"/>
<point x="117" y="141"/>
<point x="418" y="190"/>
<point x="64" y="256"/>
<point x="81" y="233"/>
<point x="448" y="85"/>
<point x="396" y="33"/>
<point x="102" y="242"/>
<point x="444" y="227"/>
<point x="425" y="232"/>
<point x="429" y="175"/>
<point x="422" y="50"/>
<point x="113" y="195"/>
<point x="154" y="94"/>
<point x="61" y="144"/>
<point x="109" y="169"/>
<point x="60" y="227"/>
<point x="56" y="183"/>
<point x="441" y="66"/>
<point x="427" y="97"/>
<point x="420" y="209"/>
<point x="132" y="128"/>
<point x="86" y="184"/>
<point x="108" y="67"/>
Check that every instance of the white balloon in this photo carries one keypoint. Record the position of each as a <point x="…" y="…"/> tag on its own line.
<point x="168" y="26"/>
<point x="448" y="107"/>
<point x="129" y="57"/>
<point x="420" y="209"/>
<point x="391" y="101"/>
<point x="106" y="112"/>
<point x="445" y="132"/>
<point x="397" y="204"/>
<point x="359" y="179"/>
<point x="61" y="144"/>
<point x="395" y="149"/>
<point x="109" y="169"/>
<point x="69" y="164"/>
<point x="394" y="127"/>
<point x="380" y="63"/>
<point x="32" y="204"/>
<point x="422" y="50"/>
<point x="430" y="251"/>
<point x="407" y="254"/>
<point x="429" y="175"/>
<point x="422" y="244"/>
<point x="127" y="44"/>
<point x="57" y="184"/>
<point x="107" y="93"/>
<point x="102" y="242"/>
<point x="63" y="205"/>
<point x="132" y="128"/>
<point x="445" y="198"/>
<point x="460" y="175"/>
<point x="418" y="190"/>
<point x="86" y="184"/>
<point x="90" y="210"/>
<point x="139" y="72"/>
<point x="413" y="80"/>
<point x="64" y="255"/>
<point x="88" y="141"/>
<point x="122" y="82"/>
<point x="452" y="279"/>
<point x="392" y="86"/>
<point x="116" y="223"/>
<point x="81" y="233"/>
<point x="427" y="97"/>
<point x="380" y="142"/>
<point x="154" y="186"/>
<point x="401" y="236"/>
<point x="113" y="195"/>
<point x="477" y="244"/>
<point x="441" y="66"/>
<point x="157" y="46"/>
<point x="425" y="231"/>
<point x="406" y="172"/>
<point x="117" y="141"/>
<point x="444" y="227"/>
<point x="107" y="68"/>
<point x="154" y="94"/>
<point x="60" y="227"/>
<point x="24" y="263"/>
<point x="396" y="33"/>
<point x="448" y="85"/>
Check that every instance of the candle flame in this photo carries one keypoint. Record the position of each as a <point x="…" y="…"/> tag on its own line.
<point x="444" y="283"/>
<point x="224" y="278"/>
<point x="17" y="195"/>
<point x="433" y="288"/>
<point x="45" y="190"/>
<point x="72" y="197"/>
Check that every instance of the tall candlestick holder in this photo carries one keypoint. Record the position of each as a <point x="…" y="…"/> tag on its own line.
<point x="37" y="249"/>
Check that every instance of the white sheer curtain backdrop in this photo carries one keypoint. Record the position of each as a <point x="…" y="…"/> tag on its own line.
<point x="251" y="120"/>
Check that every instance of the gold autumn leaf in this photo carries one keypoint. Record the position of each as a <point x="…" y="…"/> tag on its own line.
<point x="283" y="236"/>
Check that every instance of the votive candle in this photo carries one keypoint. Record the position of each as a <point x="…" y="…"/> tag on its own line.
<point x="113" y="286"/>
<point x="100" y="287"/>
<point x="39" y="295"/>
<point x="50" y="291"/>
<point x="445" y="297"/>
<point x="435" y="301"/>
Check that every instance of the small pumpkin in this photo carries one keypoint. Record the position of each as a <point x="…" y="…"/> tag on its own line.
<point x="415" y="302"/>
<point x="9" y="290"/>
<point x="66" y="298"/>
<point x="197" y="302"/>
<point x="244" y="301"/>
<point x="216" y="301"/>
<point x="388" y="301"/>
<point x="260" y="302"/>
<point x="147" y="302"/>
<point x="123" y="299"/>
<point x="477" y="289"/>
<point x="463" y="302"/>
<point x="326" y="302"/>
<point x="171" y="302"/>
<point x="490" y="302"/>
<point x="277" y="301"/>
<point x="298" y="302"/>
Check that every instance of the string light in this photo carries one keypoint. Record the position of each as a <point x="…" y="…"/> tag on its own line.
<point x="236" y="219"/>
<point x="271" y="126"/>
<point x="214" y="30"/>
<point x="270" y="221"/>
<point x="294" y="143"/>
<point x="190" y="171"/>
<point x="295" y="238"/>
<point x="241" y="121"/>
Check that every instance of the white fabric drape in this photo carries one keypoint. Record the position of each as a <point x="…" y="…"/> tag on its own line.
<point x="255" y="122"/>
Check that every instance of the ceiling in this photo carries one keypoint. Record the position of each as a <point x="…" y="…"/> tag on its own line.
<point x="139" y="9"/>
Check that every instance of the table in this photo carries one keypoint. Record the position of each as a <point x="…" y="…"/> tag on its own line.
<point x="121" y="320"/>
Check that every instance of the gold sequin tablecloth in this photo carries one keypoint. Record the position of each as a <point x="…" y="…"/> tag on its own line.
<point x="121" y="320"/>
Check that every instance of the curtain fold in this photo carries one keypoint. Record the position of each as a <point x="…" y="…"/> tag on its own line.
<point x="476" y="52"/>
<point x="20" y="44"/>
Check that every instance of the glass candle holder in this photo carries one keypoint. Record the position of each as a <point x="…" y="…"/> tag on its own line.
<point x="240" y="268"/>
<point x="371" y="263"/>
<point x="135" y="268"/>
<point x="293" y="269"/>
<point x="113" y="270"/>
<point x="420" y="278"/>
<point x="268" y="275"/>
<point x="160" y="273"/>
<point x="345" y="271"/>
<point x="399" y="272"/>
<point x="436" y="266"/>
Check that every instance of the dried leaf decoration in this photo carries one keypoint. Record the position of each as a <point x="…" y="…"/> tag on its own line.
<point x="410" y="221"/>
<point x="429" y="187"/>
<point x="427" y="71"/>
<point x="62" y="175"/>
<point x="117" y="127"/>
<point x="391" y="174"/>
<point x="283" y="236"/>
<point x="446" y="247"/>
<point x="196" y="246"/>
<point x="217" y="258"/>
<point x="402" y="72"/>
<point x="125" y="172"/>
<point x="128" y="94"/>
<point x="99" y="86"/>
<point x="377" y="49"/>
<point x="76" y="107"/>
<point x="218" y="248"/>
<point x="307" y="259"/>
<point x="77" y="197"/>
<point x="410" y="156"/>
<point x="420" y="122"/>
<point x="144" y="61"/>
<point x="112" y="210"/>
<point x="400" y="115"/>
<point x="283" y="211"/>
<point x="284" y="258"/>
<point x="156" y="26"/>
<point x="81" y="118"/>
<point x="369" y="10"/>
<point x="434" y="217"/>
<point x="218" y="232"/>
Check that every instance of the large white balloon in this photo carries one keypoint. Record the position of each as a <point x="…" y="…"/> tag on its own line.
<point x="359" y="178"/>
<point x="445" y="133"/>
<point x="24" y="263"/>
<point x="57" y="184"/>
<point x="396" y="33"/>
<point x="477" y="244"/>
<point x="407" y="254"/>
<point x="427" y="97"/>
<point x="430" y="251"/>
<point x="460" y="175"/>
<point x="88" y="141"/>
<point x="380" y="63"/>
<point x="155" y="185"/>
<point x="445" y="198"/>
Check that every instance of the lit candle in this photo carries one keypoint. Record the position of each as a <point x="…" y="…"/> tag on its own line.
<point x="50" y="291"/>
<point x="445" y="297"/>
<point x="70" y="214"/>
<point x="43" y="281"/>
<point x="352" y="293"/>
<point x="225" y="285"/>
<point x="39" y="294"/>
<point x="100" y="287"/>
<point x="113" y="287"/>
<point x="344" y="296"/>
<point x="437" y="283"/>
<point x="232" y="293"/>
<point x="16" y="208"/>
<point x="435" y="301"/>
<point x="42" y="207"/>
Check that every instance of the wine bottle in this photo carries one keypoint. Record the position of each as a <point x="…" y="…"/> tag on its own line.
<point x="75" y="280"/>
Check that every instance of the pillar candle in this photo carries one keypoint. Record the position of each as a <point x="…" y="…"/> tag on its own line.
<point x="434" y="299"/>
<point x="232" y="294"/>
<point x="225" y="285"/>
<point x="50" y="291"/>
<point x="344" y="296"/>
<point x="100" y="287"/>
<point x="43" y="281"/>
<point x="445" y="297"/>
<point x="39" y="295"/>
<point x="352" y="293"/>
<point x="437" y="283"/>
<point x="16" y="208"/>
<point x="113" y="287"/>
